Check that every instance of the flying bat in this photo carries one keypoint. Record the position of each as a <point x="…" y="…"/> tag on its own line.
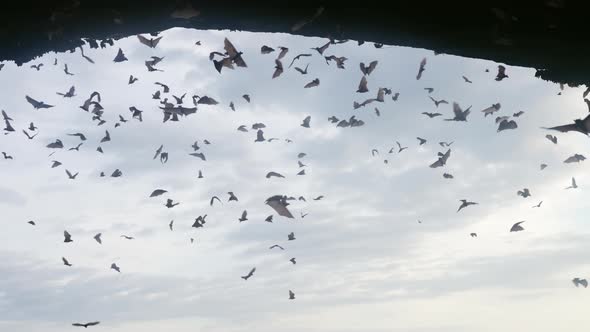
<point x="442" y="159"/>
<point x="492" y="109"/>
<point x="464" y="204"/>
<point x="313" y="83"/>
<point x="421" y="68"/>
<point x="278" y="69"/>
<point x="437" y="102"/>
<point x="501" y="73"/>
<point x="367" y="70"/>
<point x="120" y="57"/>
<point x="576" y="158"/>
<point x="517" y="227"/>
<point x="506" y="125"/>
<point x="71" y="92"/>
<point x="234" y="55"/>
<point x="247" y="276"/>
<point x="65" y="261"/>
<point x="85" y="325"/>
<point x="460" y="115"/>
<point x="152" y="42"/>
<point x="279" y="204"/>
<point x="37" y="104"/>
<point x="582" y="126"/>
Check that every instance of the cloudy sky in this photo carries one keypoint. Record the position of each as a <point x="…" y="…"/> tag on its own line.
<point x="364" y="263"/>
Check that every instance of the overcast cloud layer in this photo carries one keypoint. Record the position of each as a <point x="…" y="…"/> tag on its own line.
<point x="364" y="263"/>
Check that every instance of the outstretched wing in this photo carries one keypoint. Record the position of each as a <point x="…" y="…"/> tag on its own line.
<point x="279" y="206"/>
<point x="564" y="128"/>
<point x="32" y="101"/>
<point x="144" y="40"/>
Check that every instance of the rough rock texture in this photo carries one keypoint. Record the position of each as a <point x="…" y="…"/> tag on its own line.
<point x="545" y="34"/>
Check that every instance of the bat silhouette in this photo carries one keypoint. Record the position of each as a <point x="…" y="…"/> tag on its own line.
<point x="70" y="176"/>
<point x="421" y="69"/>
<point x="170" y="203"/>
<point x="234" y="55"/>
<point x="516" y="227"/>
<point x="367" y="70"/>
<point x="299" y="56"/>
<point x="29" y="136"/>
<point x="283" y="52"/>
<point x="279" y="204"/>
<point x="464" y="204"/>
<point x="363" y="85"/>
<point x="501" y="73"/>
<point x="574" y="184"/>
<point x="313" y="83"/>
<point x="67" y="237"/>
<point x="37" y="104"/>
<point x="580" y="282"/>
<point x="250" y="274"/>
<point x="576" y="158"/>
<point x="491" y="110"/>
<point x="506" y="125"/>
<point x="244" y="216"/>
<point x="437" y="102"/>
<point x="278" y="69"/>
<point x="431" y="115"/>
<point x="460" y="115"/>
<point x="266" y="49"/>
<point x="152" y="42"/>
<point x="120" y="57"/>
<point x="322" y="48"/>
<point x="213" y="199"/>
<point x="85" y="325"/>
<point x="581" y="126"/>
<point x="442" y="159"/>
<point x="69" y="94"/>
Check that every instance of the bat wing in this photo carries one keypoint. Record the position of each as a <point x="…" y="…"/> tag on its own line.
<point x="158" y="192"/>
<point x="372" y="66"/>
<point x="187" y="111"/>
<point x="278" y="69"/>
<point x="279" y="207"/>
<point x="229" y="48"/>
<point x="571" y="159"/>
<point x="154" y="42"/>
<point x="283" y="53"/>
<point x="363" y="85"/>
<point x="457" y="110"/>
<point x="32" y="101"/>
<point x="565" y="128"/>
<point x="144" y="40"/>
<point x="438" y="163"/>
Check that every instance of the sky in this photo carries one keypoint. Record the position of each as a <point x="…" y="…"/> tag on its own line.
<point x="364" y="262"/>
